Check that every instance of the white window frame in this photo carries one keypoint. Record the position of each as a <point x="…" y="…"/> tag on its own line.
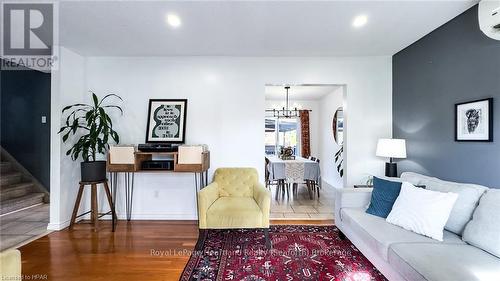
<point x="276" y="140"/>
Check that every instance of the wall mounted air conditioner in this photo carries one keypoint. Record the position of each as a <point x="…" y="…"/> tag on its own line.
<point x="489" y="18"/>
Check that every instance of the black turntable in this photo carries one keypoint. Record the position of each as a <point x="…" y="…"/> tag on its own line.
<point x="158" y="147"/>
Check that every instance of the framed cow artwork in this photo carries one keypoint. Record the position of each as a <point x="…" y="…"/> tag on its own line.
<point x="474" y="120"/>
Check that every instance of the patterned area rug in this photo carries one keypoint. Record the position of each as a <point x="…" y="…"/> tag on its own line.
<point x="299" y="253"/>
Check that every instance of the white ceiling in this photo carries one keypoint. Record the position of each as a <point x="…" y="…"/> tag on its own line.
<point x="308" y="92"/>
<point x="253" y="28"/>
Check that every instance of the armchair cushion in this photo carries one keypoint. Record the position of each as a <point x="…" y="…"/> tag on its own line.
<point x="10" y="265"/>
<point x="236" y="182"/>
<point x="234" y="212"/>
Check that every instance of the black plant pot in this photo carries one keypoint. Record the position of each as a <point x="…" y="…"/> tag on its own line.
<point x="93" y="171"/>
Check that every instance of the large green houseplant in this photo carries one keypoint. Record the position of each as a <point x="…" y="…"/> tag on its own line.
<point x="94" y="129"/>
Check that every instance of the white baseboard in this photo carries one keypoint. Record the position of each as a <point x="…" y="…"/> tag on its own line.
<point x="122" y="216"/>
<point x="58" y="225"/>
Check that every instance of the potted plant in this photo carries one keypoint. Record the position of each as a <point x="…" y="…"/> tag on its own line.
<point x="95" y="130"/>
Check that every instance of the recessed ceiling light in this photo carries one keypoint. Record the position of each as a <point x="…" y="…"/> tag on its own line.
<point x="359" y="21"/>
<point x="173" y="20"/>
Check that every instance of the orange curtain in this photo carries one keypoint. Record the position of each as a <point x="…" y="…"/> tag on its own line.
<point x="305" y="139"/>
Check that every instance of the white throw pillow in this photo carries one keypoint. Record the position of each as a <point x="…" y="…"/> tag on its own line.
<point x="422" y="211"/>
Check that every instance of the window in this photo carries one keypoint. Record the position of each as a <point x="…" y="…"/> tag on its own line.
<point x="270" y="134"/>
<point x="286" y="135"/>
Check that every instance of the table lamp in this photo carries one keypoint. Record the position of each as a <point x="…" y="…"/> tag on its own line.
<point x="392" y="148"/>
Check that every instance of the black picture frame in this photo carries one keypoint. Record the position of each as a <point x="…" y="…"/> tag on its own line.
<point x="154" y="104"/>
<point x="459" y="136"/>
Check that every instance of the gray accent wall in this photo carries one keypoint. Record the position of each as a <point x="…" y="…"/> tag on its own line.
<point x="455" y="63"/>
<point x="24" y="98"/>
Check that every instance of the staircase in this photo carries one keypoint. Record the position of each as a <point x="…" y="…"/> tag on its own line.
<point x="18" y="189"/>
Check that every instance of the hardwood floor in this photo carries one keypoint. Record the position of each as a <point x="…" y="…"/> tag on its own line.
<point x="138" y="250"/>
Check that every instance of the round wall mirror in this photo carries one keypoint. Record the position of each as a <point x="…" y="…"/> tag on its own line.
<point x="338" y="126"/>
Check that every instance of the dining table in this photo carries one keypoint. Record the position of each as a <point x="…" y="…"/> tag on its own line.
<point x="294" y="170"/>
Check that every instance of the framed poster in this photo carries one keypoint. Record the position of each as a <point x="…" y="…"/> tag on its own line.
<point x="474" y="120"/>
<point x="166" y="121"/>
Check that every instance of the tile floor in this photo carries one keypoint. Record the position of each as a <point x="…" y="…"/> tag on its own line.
<point x="301" y="206"/>
<point x="23" y="226"/>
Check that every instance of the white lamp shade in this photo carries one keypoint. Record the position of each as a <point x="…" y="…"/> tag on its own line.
<point x="395" y="148"/>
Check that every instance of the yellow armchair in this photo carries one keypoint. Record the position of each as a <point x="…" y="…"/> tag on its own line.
<point x="235" y="199"/>
<point x="10" y="265"/>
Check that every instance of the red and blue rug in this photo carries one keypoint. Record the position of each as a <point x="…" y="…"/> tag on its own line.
<point x="299" y="252"/>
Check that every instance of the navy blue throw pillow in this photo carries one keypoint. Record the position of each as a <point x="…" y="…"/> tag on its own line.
<point x="384" y="195"/>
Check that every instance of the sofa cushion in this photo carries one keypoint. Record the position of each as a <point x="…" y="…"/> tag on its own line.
<point x="443" y="262"/>
<point x="468" y="198"/>
<point x="384" y="195"/>
<point x="379" y="234"/>
<point x="483" y="230"/>
<point x="237" y="182"/>
<point x="234" y="212"/>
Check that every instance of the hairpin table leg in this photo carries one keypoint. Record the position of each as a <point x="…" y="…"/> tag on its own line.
<point x="196" y="189"/>
<point x="129" y="193"/>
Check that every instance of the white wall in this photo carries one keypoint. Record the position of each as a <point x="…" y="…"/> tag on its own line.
<point x="225" y="111"/>
<point x="67" y="87"/>
<point x="313" y="117"/>
<point x="327" y="145"/>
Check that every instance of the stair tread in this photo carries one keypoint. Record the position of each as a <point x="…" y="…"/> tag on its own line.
<point x="10" y="178"/>
<point x="14" y="185"/>
<point x="27" y="196"/>
<point x="21" y="202"/>
<point x="11" y="174"/>
<point x="15" y="191"/>
<point x="5" y="167"/>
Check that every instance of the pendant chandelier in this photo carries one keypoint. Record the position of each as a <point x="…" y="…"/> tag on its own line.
<point x="285" y="112"/>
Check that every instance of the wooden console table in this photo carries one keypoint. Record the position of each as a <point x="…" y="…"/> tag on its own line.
<point x="200" y="173"/>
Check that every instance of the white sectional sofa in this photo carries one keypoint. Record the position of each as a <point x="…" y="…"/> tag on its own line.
<point x="404" y="255"/>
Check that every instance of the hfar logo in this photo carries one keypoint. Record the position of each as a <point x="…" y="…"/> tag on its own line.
<point x="28" y="29"/>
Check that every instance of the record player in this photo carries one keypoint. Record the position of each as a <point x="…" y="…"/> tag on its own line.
<point x="158" y="147"/>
